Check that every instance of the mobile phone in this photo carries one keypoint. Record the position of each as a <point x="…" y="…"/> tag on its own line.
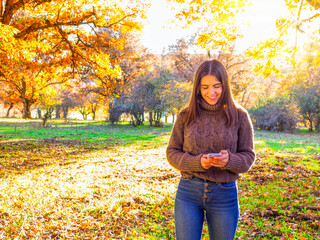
<point x="212" y="155"/>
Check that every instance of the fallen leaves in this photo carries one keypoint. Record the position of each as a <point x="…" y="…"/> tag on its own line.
<point x="68" y="189"/>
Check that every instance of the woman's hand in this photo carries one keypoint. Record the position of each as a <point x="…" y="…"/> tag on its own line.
<point x="222" y="161"/>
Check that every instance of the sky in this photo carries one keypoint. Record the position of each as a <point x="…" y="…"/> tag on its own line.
<point x="261" y="17"/>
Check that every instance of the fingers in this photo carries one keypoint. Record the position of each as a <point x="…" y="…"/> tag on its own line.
<point x="205" y="162"/>
<point x="219" y="161"/>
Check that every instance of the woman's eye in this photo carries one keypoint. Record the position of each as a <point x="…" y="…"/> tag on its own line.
<point x="217" y="86"/>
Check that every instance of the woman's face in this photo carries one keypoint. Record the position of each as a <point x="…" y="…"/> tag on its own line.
<point x="210" y="89"/>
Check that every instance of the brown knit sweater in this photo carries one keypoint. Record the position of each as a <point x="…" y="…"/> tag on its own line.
<point x="208" y="133"/>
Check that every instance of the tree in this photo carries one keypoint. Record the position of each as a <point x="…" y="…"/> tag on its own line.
<point x="69" y="100"/>
<point x="116" y="108"/>
<point x="48" y="42"/>
<point x="217" y="19"/>
<point x="309" y="104"/>
<point x="8" y="97"/>
<point x="305" y="85"/>
<point x="183" y="59"/>
<point x="48" y="101"/>
<point x="85" y="111"/>
<point x="275" y="114"/>
<point x="274" y="53"/>
<point x="151" y="93"/>
<point x="93" y="104"/>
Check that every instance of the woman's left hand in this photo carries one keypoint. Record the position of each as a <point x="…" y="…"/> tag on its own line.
<point x="221" y="161"/>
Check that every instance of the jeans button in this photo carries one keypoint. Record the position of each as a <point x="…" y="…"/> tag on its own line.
<point x="207" y="184"/>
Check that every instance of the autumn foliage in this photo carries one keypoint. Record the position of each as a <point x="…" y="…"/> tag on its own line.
<point x="45" y="43"/>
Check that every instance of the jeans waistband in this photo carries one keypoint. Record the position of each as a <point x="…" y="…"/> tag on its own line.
<point x="197" y="179"/>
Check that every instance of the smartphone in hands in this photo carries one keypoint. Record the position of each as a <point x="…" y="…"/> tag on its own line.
<point x="212" y="155"/>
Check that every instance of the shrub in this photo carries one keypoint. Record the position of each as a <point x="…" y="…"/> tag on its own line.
<point x="274" y="114"/>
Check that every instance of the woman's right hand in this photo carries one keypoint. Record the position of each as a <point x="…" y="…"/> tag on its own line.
<point x="205" y="162"/>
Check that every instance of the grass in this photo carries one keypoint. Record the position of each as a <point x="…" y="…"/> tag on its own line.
<point x="92" y="180"/>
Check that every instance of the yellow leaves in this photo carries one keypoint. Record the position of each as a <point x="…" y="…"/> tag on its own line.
<point x="48" y="98"/>
<point x="269" y="55"/>
<point x="203" y="38"/>
<point x="221" y="38"/>
<point x="103" y="66"/>
<point x="183" y="85"/>
<point x="6" y="33"/>
<point x="216" y="18"/>
<point x="283" y="24"/>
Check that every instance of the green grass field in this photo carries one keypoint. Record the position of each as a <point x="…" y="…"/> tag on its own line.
<point x="92" y="180"/>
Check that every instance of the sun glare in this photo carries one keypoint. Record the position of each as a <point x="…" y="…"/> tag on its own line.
<point x="159" y="32"/>
<point x="257" y="23"/>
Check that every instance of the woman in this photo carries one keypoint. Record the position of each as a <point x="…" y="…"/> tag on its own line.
<point x="212" y="123"/>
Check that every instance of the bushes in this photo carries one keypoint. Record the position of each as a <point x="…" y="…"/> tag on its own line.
<point x="308" y="99"/>
<point x="116" y="108"/>
<point x="275" y="114"/>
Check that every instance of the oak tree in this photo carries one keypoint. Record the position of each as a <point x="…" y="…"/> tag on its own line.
<point x="46" y="42"/>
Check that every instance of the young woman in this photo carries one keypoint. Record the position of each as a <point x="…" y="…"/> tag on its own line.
<point x="212" y="123"/>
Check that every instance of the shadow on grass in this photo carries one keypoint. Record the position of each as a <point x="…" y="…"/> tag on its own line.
<point x="21" y="156"/>
<point x="27" y="148"/>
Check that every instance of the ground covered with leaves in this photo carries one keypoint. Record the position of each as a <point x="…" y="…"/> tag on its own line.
<point x="85" y="180"/>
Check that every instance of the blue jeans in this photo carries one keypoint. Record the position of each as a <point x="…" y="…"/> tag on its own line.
<point x="196" y="199"/>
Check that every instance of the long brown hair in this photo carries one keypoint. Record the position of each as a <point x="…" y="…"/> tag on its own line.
<point x="226" y="101"/>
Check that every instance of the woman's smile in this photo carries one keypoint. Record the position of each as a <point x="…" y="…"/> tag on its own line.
<point x="210" y="89"/>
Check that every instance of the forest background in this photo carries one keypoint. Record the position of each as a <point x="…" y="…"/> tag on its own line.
<point x="89" y="57"/>
<point x="63" y="58"/>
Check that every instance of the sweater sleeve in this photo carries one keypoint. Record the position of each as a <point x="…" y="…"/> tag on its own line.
<point x="242" y="160"/>
<point x="180" y="160"/>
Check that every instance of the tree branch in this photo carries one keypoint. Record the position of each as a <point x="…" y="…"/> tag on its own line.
<point x="314" y="4"/>
<point x="297" y="29"/>
<point x="309" y="19"/>
<point x="237" y="63"/>
<point x="12" y="7"/>
<point x="38" y="26"/>
<point x="120" y="20"/>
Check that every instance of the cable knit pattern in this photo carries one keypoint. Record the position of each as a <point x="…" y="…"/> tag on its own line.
<point x="208" y="133"/>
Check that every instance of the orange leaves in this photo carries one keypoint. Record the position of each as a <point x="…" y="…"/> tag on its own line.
<point x="47" y="43"/>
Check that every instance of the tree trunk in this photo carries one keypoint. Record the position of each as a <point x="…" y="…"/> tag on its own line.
<point x="173" y="115"/>
<point x="93" y="110"/>
<point x="26" y="108"/>
<point x="26" y="102"/>
<point x="46" y="116"/>
<point x="310" y="125"/>
<point x="44" y="121"/>
<point x="150" y="118"/>
<point x="142" y="114"/>
<point x="9" y="109"/>
<point x="65" y="110"/>
<point x="39" y="112"/>
<point x="317" y="125"/>
<point x="58" y="112"/>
